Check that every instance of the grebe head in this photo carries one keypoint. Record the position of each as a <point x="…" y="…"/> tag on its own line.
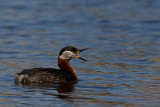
<point x="70" y="52"/>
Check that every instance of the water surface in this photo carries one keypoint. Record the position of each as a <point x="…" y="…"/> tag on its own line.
<point x="123" y="40"/>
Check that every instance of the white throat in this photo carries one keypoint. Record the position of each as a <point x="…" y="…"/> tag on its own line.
<point x="67" y="55"/>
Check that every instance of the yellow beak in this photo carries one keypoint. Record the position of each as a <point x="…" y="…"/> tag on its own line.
<point x="77" y="52"/>
<point x="77" y="56"/>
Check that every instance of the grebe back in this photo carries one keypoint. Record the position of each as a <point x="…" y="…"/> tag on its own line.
<point x="65" y="74"/>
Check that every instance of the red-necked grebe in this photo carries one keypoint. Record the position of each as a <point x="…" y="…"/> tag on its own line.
<point x="65" y="74"/>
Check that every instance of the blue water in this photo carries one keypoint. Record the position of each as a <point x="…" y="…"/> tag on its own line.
<point x="123" y="38"/>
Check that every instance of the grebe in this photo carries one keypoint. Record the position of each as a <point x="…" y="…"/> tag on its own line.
<point x="65" y="74"/>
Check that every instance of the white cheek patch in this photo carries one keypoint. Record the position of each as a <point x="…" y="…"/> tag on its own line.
<point x="67" y="55"/>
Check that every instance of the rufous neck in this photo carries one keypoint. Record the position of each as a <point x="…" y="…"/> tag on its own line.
<point x="66" y="67"/>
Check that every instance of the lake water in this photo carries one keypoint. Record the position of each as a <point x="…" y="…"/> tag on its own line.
<point x="123" y="37"/>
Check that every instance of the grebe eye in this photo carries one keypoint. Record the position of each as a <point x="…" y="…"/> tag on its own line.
<point x="74" y="50"/>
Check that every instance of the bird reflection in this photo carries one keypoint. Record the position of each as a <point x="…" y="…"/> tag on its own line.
<point x="64" y="88"/>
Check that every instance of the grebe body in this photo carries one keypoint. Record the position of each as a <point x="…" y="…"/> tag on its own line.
<point x="65" y="74"/>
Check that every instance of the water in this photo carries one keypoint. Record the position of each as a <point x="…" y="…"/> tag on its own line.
<point x="123" y="40"/>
